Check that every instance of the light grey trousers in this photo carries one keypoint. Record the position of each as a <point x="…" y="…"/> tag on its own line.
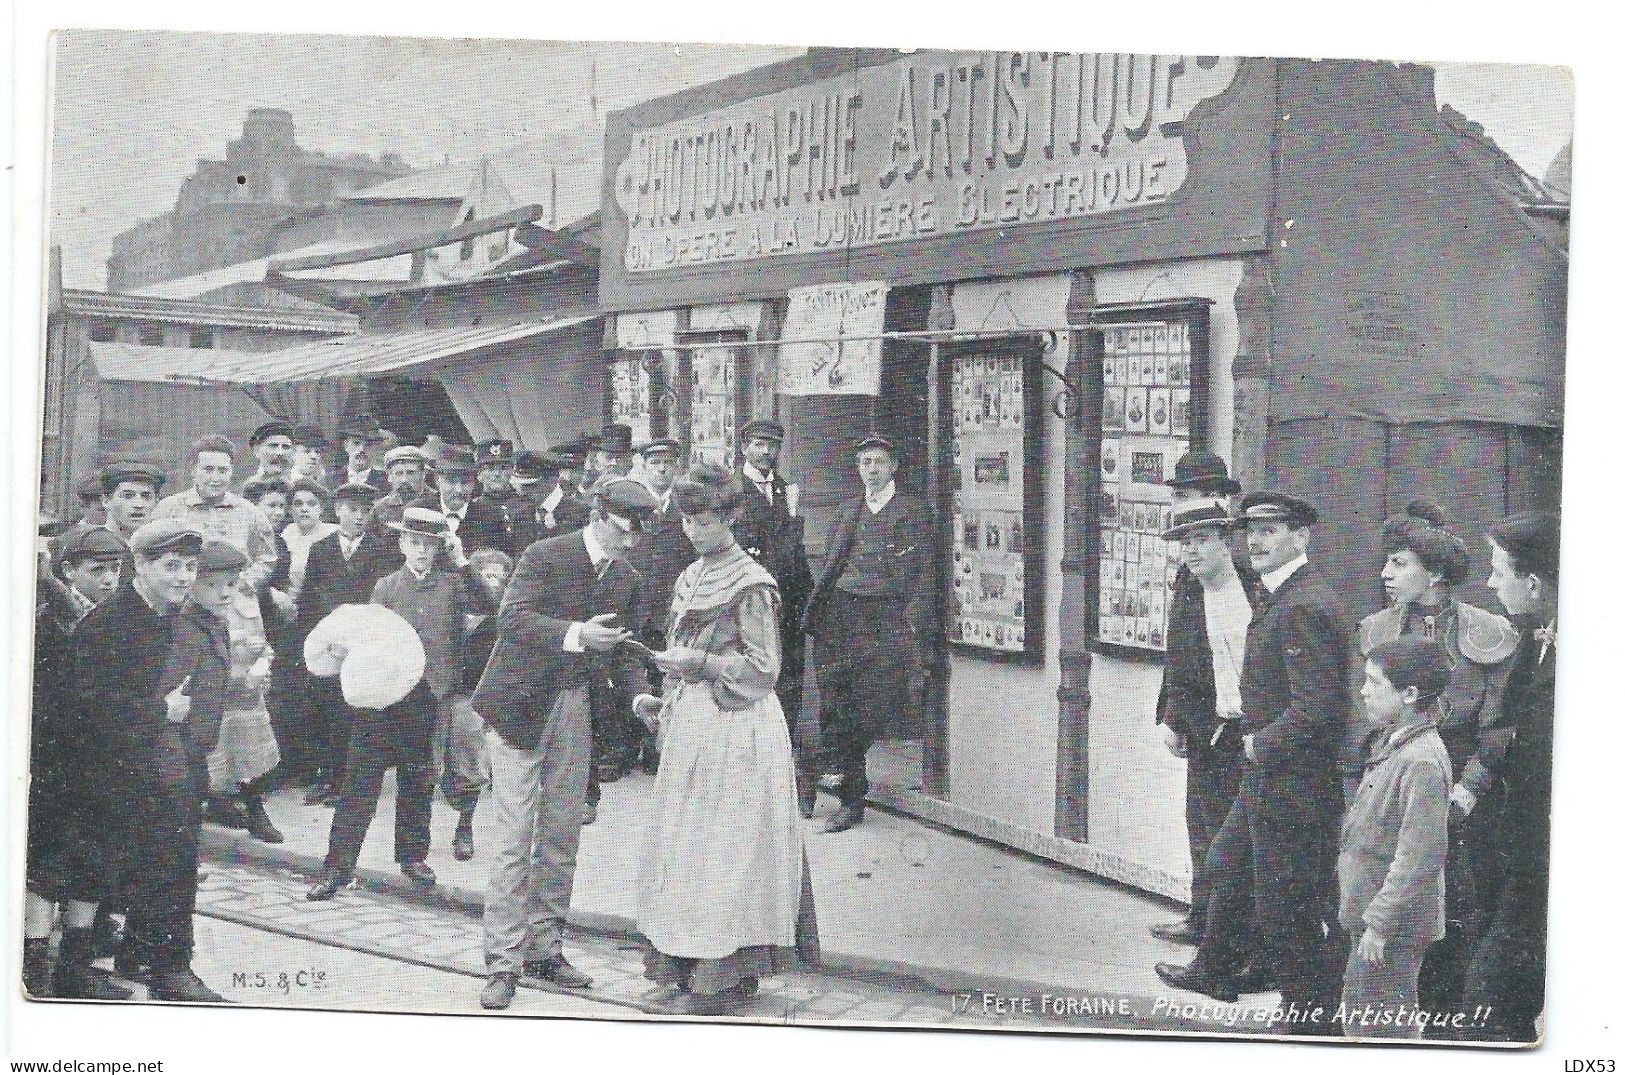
<point x="538" y="797"/>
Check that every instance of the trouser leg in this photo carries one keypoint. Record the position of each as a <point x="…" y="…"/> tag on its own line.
<point x="161" y="887"/>
<point x="369" y="755"/>
<point x="1211" y="780"/>
<point x="515" y="789"/>
<point x="1377" y="997"/>
<point x="1505" y="989"/>
<point x="414" y="774"/>
<point x="1228" y="869"/>
<point x="561" y="783"/>
<point x="1290" y="897"/>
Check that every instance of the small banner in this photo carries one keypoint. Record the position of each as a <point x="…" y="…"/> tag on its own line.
<point x="841" y="326"/>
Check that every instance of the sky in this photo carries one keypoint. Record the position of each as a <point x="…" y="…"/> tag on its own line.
<point x="134" y="111"/>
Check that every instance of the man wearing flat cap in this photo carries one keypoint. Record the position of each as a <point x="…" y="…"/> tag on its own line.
<point x="1199" y="707"/>
<point x="769" y="529"/>
<point x="134" y="737"/>
<point x="572" y="602"/>
<point x="213" y="510"/>
<point x="501" y="517"/>
<point x="1273" y="861"/>
<point x="872" y="611"/>
<point x="272" y="445"/>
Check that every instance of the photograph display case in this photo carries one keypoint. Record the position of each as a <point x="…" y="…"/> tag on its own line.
<point x="992" y="487"/>
<point x="1152" y="370"/>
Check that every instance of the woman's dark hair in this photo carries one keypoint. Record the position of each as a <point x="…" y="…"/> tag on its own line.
<point x="1422" y="530"/>
<point x="1530" y="539"/>
<point x="308" y="485"/>
<point x="1414" y="661"/>
<point x="706" y="488"/>
<point x="256" y="489"/>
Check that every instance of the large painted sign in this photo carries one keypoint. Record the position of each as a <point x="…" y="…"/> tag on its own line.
<point x="929" y="144"/>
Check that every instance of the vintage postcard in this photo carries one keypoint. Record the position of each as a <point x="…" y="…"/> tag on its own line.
<point x="946" y="538"/>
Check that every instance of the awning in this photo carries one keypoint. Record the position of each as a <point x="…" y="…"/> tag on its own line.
<point x="341" y="356"/>
<point x="141" y="364"/>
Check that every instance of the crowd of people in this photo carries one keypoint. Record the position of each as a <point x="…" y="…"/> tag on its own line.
<point x="1365" y="806"/>
<point x="196" y="653"/>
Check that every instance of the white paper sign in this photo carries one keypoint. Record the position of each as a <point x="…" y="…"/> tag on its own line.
<point x="833" y="358"/>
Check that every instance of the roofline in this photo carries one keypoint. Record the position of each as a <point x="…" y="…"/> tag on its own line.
<point x="82" y="302"/>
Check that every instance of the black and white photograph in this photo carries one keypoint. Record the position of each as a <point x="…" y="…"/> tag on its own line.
<point x="584" y="533"/>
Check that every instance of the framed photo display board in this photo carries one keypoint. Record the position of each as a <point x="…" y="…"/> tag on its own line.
<point x="990" y="408"/>
<point x="717" y="398"/>
<point x="1151" y="362"/>
<point x="636" y="387"/>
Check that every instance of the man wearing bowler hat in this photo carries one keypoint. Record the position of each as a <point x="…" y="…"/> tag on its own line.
<point x="872" y="610"/>
<point x="1199" y="707"/>
<point x="769" y="529"/>
<point x="572" y="602"/>
<point x="1272" y="863"/>
<point x="458" y="483"/>
<point x="501" y="517"/>
<point x="360" y="437"/>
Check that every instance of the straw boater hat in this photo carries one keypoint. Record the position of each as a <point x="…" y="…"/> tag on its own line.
<point x="425" y="522"/>
<point x="383" y="659"/>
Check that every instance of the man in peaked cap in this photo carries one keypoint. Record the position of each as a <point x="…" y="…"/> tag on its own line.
<point x="872" y="611"/>
<point x="407" y="468"/>
<point x="572" y="602"/>
<point x="1273" y="861"/>
<point x="561" y="509"/>
<point x="1199" y="706"/>
<point x="769" y="528"/>
<point x="501" y="517"/>
<point x="359" y="436"/>
<point x="530" y="468"/>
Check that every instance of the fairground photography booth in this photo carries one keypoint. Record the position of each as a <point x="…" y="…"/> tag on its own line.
<point x="1046" y="276"/>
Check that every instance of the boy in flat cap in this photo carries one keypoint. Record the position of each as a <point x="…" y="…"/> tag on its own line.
<point x="770" y="530"/>
<point x="67" y="854"/>
<point x="135" y="737"/>
<point x="1273" y="861"/>
<point x="872" y="611"/>
<point x="572" y="602"/>
<point x="340" y="569"/>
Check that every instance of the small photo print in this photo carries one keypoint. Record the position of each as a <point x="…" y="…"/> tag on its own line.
<point x="1108" y="504"/>
<point x="1111" y="410"/>
<point x="1158" y="404"/>
<point x="1110" y="449"/>
<point x="1134" y="410"/>
<point x="1180" y="412"/>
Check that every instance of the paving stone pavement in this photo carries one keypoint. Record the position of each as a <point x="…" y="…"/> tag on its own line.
<point x="428" y="931"/>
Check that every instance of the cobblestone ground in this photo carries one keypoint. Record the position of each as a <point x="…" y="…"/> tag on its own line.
<point x="430" y="932"/>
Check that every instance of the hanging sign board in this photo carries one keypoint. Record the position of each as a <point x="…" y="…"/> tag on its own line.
<point x="841" y="324"/>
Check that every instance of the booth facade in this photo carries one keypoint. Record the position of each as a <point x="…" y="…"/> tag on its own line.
<point x="1046" y="276"/>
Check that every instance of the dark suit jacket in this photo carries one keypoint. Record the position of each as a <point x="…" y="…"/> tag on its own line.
<point x="1525" y="826"/>
<point x="201" y="650"/>
<point x="660" y="557"/>
<point x="572" y="513"/>
<point x="331" y="580"/>
<point x="553" y="586"/>
<point x="506" y="522"/>
<point x="770" y="533"/>
<point x="1188" y="701"/>
<point x="1293" y="680"/>
<point x="911" y="545"/>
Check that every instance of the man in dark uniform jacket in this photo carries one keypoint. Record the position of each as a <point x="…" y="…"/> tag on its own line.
<point x="134" y="728"/>
<point x="1507" y="976"/>
<point x="1273" y="862"/>
<point x="570" y="605"/>
<point x="660" y="557"/>
<point x="501" y="517"/>
<point x="1197" y="713"/>
<point x="769" y="529"/>
<point x="341" y="569"/>
<point x="360" y="437"/>
<point x="560" y="510"/>
<point x="871" y="611"/>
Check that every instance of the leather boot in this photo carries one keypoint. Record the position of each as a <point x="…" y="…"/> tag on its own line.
<point x="257" y="821"/>
<point x="73" y="978"/>
<point x="37" y="966"/>
<point x="182" y="985"/>
<point x="133" y="957"/>
<point x="107" y="934"/>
